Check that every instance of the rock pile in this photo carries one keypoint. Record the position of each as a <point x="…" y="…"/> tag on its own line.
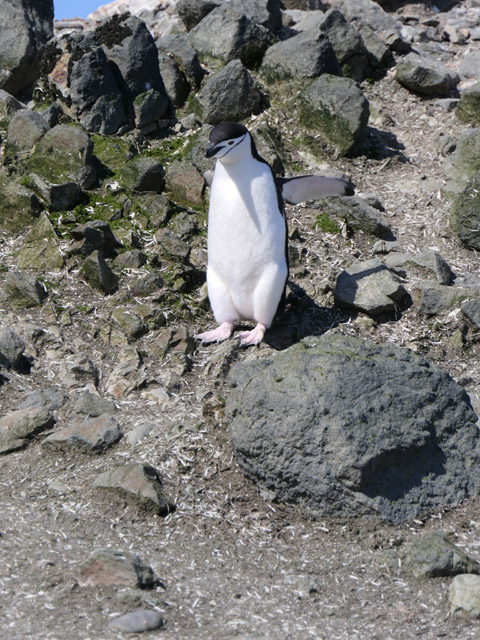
<point x="103" y="223"/>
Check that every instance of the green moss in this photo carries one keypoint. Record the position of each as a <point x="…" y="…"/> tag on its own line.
<point x="112" y="152"/>
<point x="324" y="223"/>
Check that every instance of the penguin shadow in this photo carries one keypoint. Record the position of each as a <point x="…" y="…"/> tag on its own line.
<point x="300" y="316"/>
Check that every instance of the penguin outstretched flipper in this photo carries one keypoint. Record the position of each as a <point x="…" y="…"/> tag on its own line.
<point x="304" y="188"/>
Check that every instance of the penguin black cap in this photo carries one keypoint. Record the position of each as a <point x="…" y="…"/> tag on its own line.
<point x="222" y="132"/>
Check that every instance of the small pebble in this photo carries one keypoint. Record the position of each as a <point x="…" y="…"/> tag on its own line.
<point x="137" y="621"/>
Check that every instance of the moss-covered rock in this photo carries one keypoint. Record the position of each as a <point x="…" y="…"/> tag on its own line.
<point x="113" y="152"/>
<point x="22" y="291"/>
<point x="18" y="204"/>
<point x="468" y="107"/>
<point x="337" y="109"/>
<point x="465" y="160"/>
<point x="61" y="165"/>
<point x="465" y="214"/>
<point x="41" y="249"/>
<point x="143" y="173"/>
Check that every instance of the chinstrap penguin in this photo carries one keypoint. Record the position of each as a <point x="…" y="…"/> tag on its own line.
<point x="247" y="234"/>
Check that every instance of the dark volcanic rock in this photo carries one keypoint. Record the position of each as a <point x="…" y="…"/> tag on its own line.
<point x="25" y="27"/>
<point x="104" y="77"/>
<point x="191" y="12"/>
<point x="347" y="44"/>
<point x="337" y="109"/>
<point x="12" y="347"/>
<point x="306" y="55"/>
<point x="231" y="94"/>
<point x="351" y="428"/>
<point x="226" y="33"/>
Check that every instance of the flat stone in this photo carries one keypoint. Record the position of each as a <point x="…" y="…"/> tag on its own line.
<point x="430" y="298"/>
<point x="23" y="291"/>
<point x="91" y="435"/>
<point x="19" y="427"/>
<point x="427" y="263"/>
<point x="139" y="481"/>
<point x="116" y="568"/>
<point x="433" y="555"/>
<point x="139" y="432"/>
<point x="137" y="621"/>
<point x="359" y="215"/>
<point x="370" y="287"/>
<point x="48" y="399"/>
<point x="93" y="405"/>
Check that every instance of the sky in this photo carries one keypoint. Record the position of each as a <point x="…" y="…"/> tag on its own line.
<point x="76" y="8"/>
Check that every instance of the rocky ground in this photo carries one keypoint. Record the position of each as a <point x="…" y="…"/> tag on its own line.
<point x="229" y="561"/>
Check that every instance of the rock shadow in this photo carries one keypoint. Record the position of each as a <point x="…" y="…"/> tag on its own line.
<point x="300" y="316"/>
<point x="395" y="474"/>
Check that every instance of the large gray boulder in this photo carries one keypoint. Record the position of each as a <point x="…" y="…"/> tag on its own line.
<point x="227" y="34"/>
<point x="229" y="95"/>
<point x="423" y="73"/>
<point x="337" y="109"/>
<point x="382" y="23"/>
<point x="25" y="28"/>
<point x="184" y="55"/>
<point x="95" y="93"/>
<point x="104" y="77"/>
<point x="347" y="44"/>
<point x="351" y="428"/>
<point x="306" y="55"/>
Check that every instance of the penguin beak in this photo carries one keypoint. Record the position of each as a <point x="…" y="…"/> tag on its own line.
<point x="212" y="150"/>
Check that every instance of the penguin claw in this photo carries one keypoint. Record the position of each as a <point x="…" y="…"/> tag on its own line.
<point x="253" y="337"/>
<point x="222" y="332"/>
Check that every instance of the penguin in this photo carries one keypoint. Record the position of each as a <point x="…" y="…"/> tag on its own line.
<point x="247" y="266"/>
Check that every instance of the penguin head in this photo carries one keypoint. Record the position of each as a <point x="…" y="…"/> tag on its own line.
<point x="229" y="142"/>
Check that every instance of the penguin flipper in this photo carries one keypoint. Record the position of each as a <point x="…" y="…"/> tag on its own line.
<point x="303" y="188"/>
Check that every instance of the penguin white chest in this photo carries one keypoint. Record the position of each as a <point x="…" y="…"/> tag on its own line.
<point x="246" y="243"/>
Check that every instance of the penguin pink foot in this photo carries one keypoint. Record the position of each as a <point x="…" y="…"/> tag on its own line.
<point x="255" y="336"/>
<point x="222" y="332"/>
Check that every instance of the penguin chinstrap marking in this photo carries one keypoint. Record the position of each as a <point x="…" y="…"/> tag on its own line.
<point x="247" y="263"/>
